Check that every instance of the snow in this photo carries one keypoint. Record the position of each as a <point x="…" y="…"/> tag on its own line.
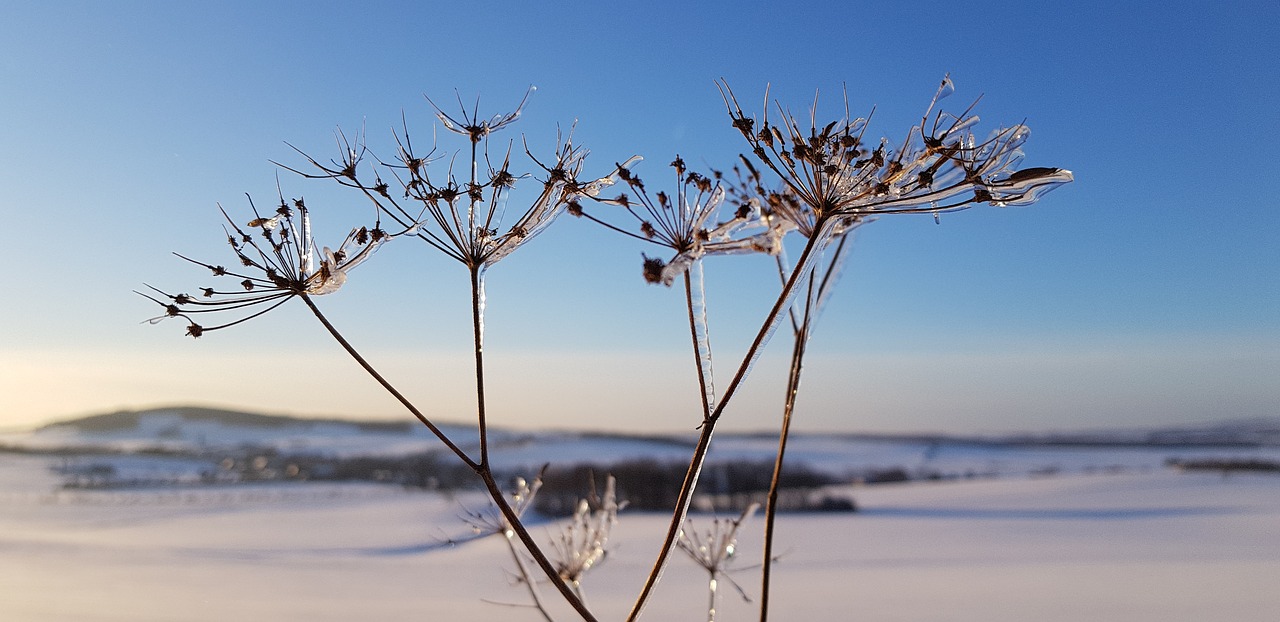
<point x="1139" y="544"/>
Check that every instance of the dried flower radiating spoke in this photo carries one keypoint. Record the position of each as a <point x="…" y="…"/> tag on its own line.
<point x="277" y="264"/>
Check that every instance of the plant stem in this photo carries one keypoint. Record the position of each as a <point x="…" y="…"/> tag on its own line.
<point x="484" y="468"/>
<point x="711" y="597"/>
<point x="477" y="325"/>
<point x="802" y="332"/>
<point x="771" y="507"/>
<point x="699" y="456"/>
<point x="698" y="354"/>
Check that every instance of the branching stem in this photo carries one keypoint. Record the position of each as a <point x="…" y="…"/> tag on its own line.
<point x="699" y="456"/>
<point x="480" y="468"/>
<point x="346" y="345"/>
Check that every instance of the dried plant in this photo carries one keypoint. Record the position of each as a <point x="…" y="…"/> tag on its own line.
<point x="715" y="550"/>
<point x="583" y="542"/>
<point x="579" y="546"/>
<point x="282" y="265"/>
<point x="818" y="181"/>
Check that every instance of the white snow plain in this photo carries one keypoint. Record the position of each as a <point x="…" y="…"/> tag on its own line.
<point x="1133" y="544"/>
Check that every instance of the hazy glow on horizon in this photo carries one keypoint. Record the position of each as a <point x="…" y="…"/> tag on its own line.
<point x="1147" y="292"/>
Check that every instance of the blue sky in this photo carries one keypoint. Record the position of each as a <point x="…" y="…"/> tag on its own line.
<point x="1147" y="292"/>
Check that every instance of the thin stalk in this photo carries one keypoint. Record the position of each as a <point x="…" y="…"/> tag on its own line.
<point x="477" y="325"/>
<point x="771" y="506"/>
<point x="346" y="345"/>
<point x="711" y="597"/>
<point x="802" y="330"/>
<point x="699" y="457"/>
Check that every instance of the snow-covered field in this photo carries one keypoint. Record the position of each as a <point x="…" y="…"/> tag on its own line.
<point x="1141" y="544"/>
<point x="1021" y="529"/>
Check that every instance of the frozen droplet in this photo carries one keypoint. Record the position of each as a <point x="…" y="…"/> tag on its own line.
<point x="946" y="88"/>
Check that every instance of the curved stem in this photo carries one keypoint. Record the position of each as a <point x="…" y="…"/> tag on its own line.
<point x="346" y="345"/>
<point x="699" y="457"/>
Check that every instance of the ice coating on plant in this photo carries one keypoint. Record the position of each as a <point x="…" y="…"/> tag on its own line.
<point x="799" y="276"/>
<point x="702" y="335"/>
<point x="838" y="253"/>
<point x="470" y="124"/>
<point x="556" y="196"/>
<point x="592" y="189"/>
<point x="1026" y="186"/>
<point x="479" y="309"/>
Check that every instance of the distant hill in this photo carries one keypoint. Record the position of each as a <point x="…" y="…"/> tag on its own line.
<point x="126" y="420"/>
<point x="1262" y="432"/>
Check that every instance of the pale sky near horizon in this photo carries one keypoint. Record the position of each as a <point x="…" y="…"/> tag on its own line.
<point x="1145" y="293"/>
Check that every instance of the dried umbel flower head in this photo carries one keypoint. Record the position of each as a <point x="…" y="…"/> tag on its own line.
<point x="714" y="550"/>
<point x="461" y="214"/>
<point x="280" y="262"/>
<point x="683" y="223"/>
<point x="472" y="126"/>
<point x="491" y="521"/>
<point x="939" y="167"/>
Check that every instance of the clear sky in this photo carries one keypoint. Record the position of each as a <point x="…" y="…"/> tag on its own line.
<point x="1145" y="293"/>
